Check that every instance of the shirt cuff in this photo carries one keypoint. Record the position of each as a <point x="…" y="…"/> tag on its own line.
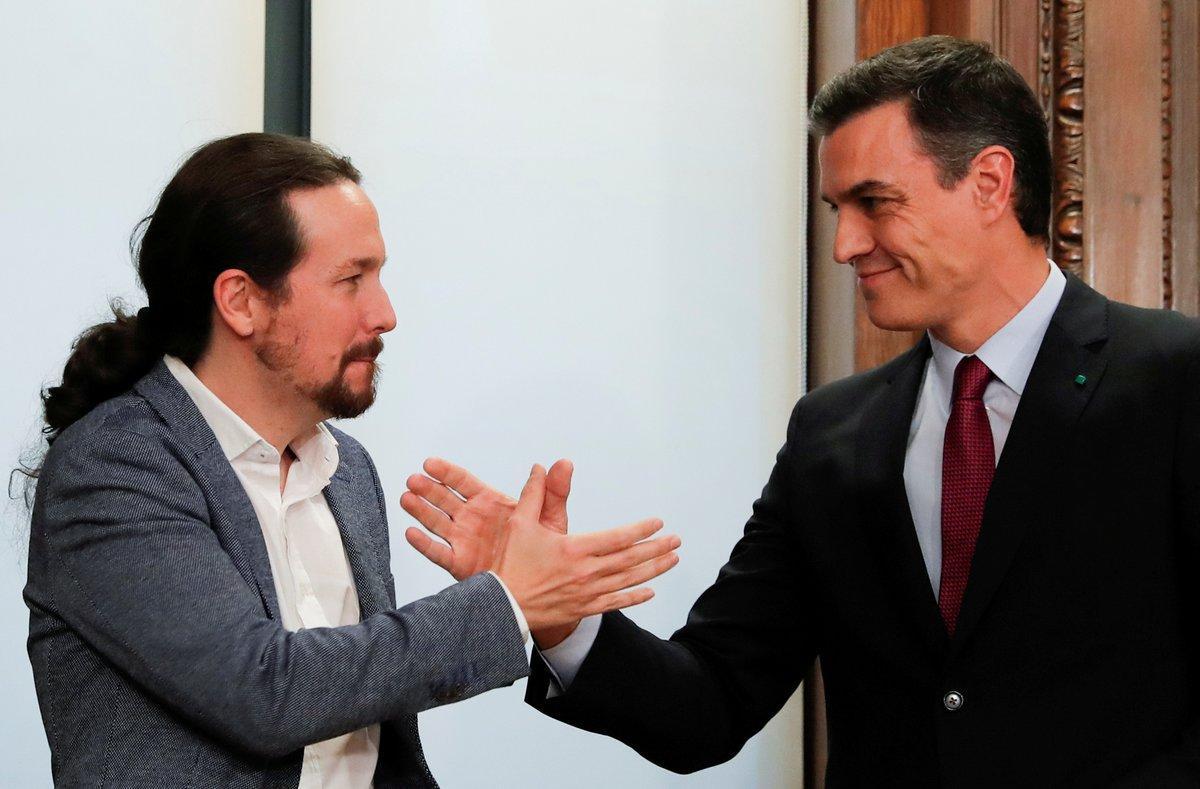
<point x="565" y="658"/>
<point x="522" y="625"/>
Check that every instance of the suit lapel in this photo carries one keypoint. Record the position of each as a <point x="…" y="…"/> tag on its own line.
<point x="881" y="447"/>
<point x="352" y="506"/>
<point x="1065" y="374"/>
<point x="233" y="518"/>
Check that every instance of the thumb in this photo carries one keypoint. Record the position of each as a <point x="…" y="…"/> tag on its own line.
<point x="558" y="488"/>
<point x="529" y="505"/>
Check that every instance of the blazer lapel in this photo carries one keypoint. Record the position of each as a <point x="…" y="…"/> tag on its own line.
<point x="233" y="518"/>
<point x="881" y="447"/>
<point x="1065" y="374"/>
<point x="352" y="506"/>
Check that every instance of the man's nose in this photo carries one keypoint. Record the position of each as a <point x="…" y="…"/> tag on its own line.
<point x="852" y="239"/>
<point x="381" y="317"/>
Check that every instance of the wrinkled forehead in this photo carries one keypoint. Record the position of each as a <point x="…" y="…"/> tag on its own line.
<point x="875" y="145"/>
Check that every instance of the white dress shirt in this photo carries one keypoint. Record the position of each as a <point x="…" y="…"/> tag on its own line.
<point x="312" y="575"/>
<point x="1009" y="354"/>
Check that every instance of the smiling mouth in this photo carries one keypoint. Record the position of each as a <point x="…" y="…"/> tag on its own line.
<point x="867" y="278"/>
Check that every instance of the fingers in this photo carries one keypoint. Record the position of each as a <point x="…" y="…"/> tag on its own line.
<point x="617" y="600"/>
<point x="602" y="543"/>
<point x="430" y="548"/>
<point x="558" y="488"/>
<point x="454" y="477"/>
<point x="426" y="514"/>
<point x="636" y="554"/>
<point x="529" y="506"/>
<point x="436" y="494"/>
<point x="640" y="574"/>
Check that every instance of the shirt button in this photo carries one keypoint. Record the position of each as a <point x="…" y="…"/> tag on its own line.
<point x="953" y="701"/>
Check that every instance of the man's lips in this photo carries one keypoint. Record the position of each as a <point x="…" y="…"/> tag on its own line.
<point x="865" y="277"/>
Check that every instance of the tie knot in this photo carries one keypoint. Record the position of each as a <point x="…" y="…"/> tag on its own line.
<point x="970" y="379"/>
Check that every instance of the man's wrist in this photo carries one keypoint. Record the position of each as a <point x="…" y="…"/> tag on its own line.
<point x="550" y="637"/>
<point x="522" y="623"/>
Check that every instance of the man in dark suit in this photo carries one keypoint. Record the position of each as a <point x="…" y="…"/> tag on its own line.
<point x="990" y="541"/>
<point x="210" y="590"/>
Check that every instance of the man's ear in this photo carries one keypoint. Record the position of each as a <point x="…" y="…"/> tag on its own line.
<point x="235" y="297"/>
<point x="993" y="171"/>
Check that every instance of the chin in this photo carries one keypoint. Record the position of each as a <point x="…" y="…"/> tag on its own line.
<point x="894" y="320"/>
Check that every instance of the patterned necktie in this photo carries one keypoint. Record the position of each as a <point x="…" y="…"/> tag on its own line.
<point x="968" y="464"/>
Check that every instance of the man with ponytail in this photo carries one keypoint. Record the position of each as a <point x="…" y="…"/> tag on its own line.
<point x="210" y="593"/>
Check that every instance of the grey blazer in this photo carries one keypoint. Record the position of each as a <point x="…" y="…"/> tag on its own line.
<point x="155" y="638"/>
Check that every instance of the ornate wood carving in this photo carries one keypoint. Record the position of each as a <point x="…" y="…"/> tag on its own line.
<point x="1062" y="94"/>
<point x="1168" y="285"/>
<point x="1046" y="54"/>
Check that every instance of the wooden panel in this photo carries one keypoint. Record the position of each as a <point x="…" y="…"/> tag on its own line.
<point x="1011" y="27"/>
<point x="884" y="23"/>
<point x="881" y="24"/>
<point x="816" y="729"/>
<point x="1123" y="151"/>
<point x="1019" y="30"/>
<point x="1185" y="156"/>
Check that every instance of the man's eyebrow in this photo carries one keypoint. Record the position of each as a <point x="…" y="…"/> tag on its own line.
<point x="861" y="188"/>
<point x="358" y="263"/>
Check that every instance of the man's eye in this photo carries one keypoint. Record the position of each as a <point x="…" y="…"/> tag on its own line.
<point x="352" y="278"/>
<point x="870" y="203"/>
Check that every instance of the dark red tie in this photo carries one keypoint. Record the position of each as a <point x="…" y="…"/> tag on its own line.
<point x="968" y="464"/>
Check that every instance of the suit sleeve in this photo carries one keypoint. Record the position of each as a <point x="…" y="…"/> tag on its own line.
<point x="122" y="551"/>
<point x="692" y="701"/>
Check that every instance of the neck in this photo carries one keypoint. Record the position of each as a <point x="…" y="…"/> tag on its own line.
<point x="1011" y="282"/>
<point x="270" y="406"/>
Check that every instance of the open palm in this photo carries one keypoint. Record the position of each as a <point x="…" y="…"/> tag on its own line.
<point x="470" y="516"/>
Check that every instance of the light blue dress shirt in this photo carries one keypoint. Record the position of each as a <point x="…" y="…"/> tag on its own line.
<point x="1009" y="354"/>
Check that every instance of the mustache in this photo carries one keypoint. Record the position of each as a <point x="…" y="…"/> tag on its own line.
<point x="364" y="350"/>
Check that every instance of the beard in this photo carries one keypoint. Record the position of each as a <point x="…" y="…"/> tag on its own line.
<point x="335" y="397"/>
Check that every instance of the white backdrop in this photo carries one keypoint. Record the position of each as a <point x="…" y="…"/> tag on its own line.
<point x="102" y="102"/>
<point x="593" y="215"/>
<point x="593" y="211"/>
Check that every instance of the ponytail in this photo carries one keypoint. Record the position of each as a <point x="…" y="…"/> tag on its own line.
<point x="106" y="360"/>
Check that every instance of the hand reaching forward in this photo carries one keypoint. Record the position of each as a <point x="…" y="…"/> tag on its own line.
<point x="557" y="579"/>
<point x="471" y="516"/>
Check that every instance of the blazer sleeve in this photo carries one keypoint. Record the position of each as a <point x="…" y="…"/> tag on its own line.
<point x="121" y="550"/>
<point x="692" y="701"/>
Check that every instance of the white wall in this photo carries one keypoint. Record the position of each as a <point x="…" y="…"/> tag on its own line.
<point x="593" y="212"/>
<point x="102" y="101"/>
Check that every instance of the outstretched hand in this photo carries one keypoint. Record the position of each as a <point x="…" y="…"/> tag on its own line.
<point x="471" y="516"/>
<point x="556" y="578"/>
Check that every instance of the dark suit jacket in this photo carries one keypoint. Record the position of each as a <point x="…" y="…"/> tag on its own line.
<point x="158" y="654"/>
<point x="1076" y="648"/>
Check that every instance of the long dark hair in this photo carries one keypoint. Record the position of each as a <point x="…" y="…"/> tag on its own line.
<point x="225" y="208"/>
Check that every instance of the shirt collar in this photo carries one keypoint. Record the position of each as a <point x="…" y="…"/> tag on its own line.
<point x="1011" y="351"/>
<point x="316" y="449"/>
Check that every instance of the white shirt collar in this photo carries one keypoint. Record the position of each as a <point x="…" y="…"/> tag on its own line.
<point x="317" y="449"/>
<point x="1011" y="351"/>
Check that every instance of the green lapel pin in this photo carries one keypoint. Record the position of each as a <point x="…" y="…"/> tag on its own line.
<point x="1081" y="379"/>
